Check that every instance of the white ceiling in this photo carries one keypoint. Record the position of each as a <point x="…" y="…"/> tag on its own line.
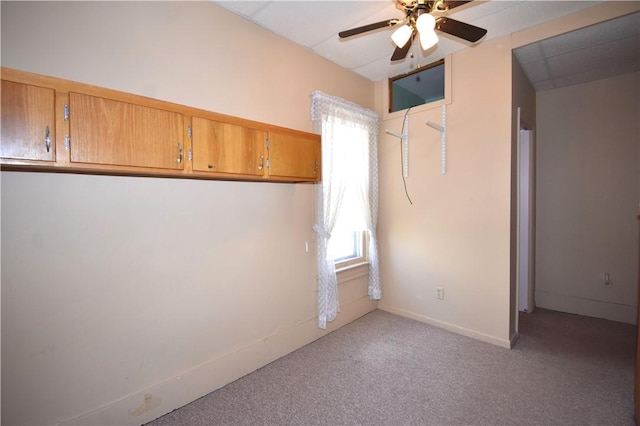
<point x="315" y="24"/>
<point x="604" y="50"/>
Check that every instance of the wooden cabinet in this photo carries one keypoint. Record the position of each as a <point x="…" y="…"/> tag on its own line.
<point x="294" y="156"/>
<point x="105" y="131"/>
<point x="51" y="124"/>
<point x="28" y="122"/>
<point x="240" y="149"/>
<point x="227" y="148"/>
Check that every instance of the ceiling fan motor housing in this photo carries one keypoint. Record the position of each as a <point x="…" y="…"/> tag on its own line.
<point x="423" y="5"/>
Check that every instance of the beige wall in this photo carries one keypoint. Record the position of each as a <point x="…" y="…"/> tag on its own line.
<point x="588" y="171"/>
<point x="456" y="234"/>
<point x="459" y="233"/>
<point x="124" y="298"/>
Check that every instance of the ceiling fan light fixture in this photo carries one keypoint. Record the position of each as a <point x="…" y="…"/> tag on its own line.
<point x="419" y="21"/>
<point x="425" y="23"/>
<point x="428" y="39"/>
<point x="402" y="35"/>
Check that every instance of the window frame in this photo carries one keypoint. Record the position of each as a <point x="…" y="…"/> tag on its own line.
<point x="424" y="107"/>
<point x="414" y="72"/>
<point x="361" y="259"/>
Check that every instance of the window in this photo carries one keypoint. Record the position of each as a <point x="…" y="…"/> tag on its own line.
<point x="347" y="196"/>
<point x="419" y="87"/>
<point x="347" y="244"/>
<point x="349" y="248"/>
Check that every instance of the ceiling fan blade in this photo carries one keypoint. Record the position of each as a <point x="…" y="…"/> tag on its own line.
<point x="460" y="29"/>
<point x="369" y="27"/>
<point x="401" y="52"/>
<point x="446" y="5"/>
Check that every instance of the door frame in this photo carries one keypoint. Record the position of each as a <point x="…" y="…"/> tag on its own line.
<point x="530" y="219"/>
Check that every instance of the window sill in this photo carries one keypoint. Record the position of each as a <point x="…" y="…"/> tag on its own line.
<point x="352" y="272"/>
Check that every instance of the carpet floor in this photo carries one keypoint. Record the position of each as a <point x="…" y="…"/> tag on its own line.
<point x="384" y="369"/>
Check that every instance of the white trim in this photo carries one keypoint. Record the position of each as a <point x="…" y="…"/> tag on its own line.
<point x="620" y="310"/>
<point x="450" y="327"/>
<point x="352" y="272"/>
<point x="425" y="107"/>
<point x="362" y="259"/>
<point x="518" y="236"/>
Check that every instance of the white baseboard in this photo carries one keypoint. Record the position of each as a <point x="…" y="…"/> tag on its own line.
<point x="588" y="307"/>
<point x="177" y="391"/>
<point x="447" y="326"/>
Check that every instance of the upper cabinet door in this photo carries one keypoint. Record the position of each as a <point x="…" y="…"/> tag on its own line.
<point x="227" y="148"/>
<point x="106" y="131"/>
<point x="28" y="122"/>
<point x="295" y="156"/>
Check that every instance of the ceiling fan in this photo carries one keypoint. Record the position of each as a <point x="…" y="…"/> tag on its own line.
<point x="421" y="18"/>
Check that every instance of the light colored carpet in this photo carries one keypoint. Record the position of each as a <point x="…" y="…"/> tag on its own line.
<point x="387" y="370"/>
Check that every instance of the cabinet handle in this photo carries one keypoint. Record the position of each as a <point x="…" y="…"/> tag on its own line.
<point x="315" y="167"/>
<point x="261" y="165"/>
<point x="47" y="139"/>
<point x="179" y="159"/>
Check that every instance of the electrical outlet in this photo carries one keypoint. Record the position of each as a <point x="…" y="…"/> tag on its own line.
<point x="440" y="293"/>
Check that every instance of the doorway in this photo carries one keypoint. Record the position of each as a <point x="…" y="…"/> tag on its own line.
<point x="525" y="251"/>
<point x="525" y="206"/>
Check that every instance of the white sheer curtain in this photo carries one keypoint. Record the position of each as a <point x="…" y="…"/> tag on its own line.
<point x="342" y="123"/>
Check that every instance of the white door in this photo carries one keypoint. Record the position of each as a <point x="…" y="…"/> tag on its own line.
<point x="524" y="220"/>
